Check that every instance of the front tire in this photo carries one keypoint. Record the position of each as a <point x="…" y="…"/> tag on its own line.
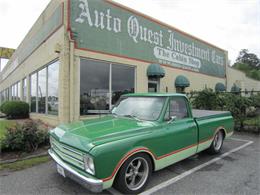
<point x="134" y="174"/>
<point x="217" y="143"/>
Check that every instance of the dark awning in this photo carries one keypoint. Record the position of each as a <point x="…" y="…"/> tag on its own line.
<point x="182" y="81"/>
<point x="220" y="87"/>
<point x="235" y="88"/>
<point x="155" y="70"/>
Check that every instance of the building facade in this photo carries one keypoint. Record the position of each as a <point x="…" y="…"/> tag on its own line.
<point x="81" y="55"/>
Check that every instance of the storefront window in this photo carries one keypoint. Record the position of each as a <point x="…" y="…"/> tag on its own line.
<point x="18" y="91"/>
<point x="94" y="87"/>
<point x="42" y="91"/>
<point x="53" y="80"/>
<point x="12" y="92"/>
<point x="122" y="81"/>
<point x="24" y="89"/>
<point x="1" y="98"/>
<point x="96" y="97"/>
<point x="48" y="76"/>
<point x="33" y="91"/>
<point x="7" y="94"/>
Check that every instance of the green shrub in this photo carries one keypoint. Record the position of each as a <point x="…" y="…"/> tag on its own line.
<point x="2" y="106"/>
<point x="255" y="100"/>
<point x="15" y="109"/>
<point x="236" y="104"/>
<point x="27" y="136"/>
<point x="207" y="99"/>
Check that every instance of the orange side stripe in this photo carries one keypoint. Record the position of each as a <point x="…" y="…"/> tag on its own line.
<point x="147" y="150"/>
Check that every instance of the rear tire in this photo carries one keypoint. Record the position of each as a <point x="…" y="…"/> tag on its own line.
<point x="134" y="174"/>
<point x="217" y="143"/>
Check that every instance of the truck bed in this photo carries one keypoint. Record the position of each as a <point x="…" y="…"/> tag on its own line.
<point x="199" y="114"/>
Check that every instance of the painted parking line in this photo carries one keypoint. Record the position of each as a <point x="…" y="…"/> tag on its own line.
<point x="114" y="191"/>
<point x="185" y="174"/>
<point x="237" y="139"/>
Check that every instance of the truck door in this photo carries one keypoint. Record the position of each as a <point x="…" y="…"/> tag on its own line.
<point x="178" y="139"/>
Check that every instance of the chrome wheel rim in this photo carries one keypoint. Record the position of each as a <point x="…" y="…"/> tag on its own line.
<point x="218" y="139"/>
<point x="136" y="173"/>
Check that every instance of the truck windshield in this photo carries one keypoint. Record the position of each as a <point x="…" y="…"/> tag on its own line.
<point x="142" y="108"/>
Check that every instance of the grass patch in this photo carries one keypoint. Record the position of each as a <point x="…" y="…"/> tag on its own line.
<point x="255" y="121"/>
<point x="3" y="125"/>
<point x="23" y="164"/>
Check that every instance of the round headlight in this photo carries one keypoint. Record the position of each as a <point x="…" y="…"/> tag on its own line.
<point x="89" y="164"/>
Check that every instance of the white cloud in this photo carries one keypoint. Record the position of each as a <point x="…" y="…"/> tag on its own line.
<point x="229" y="24"/>
<point x="16" y="19"/>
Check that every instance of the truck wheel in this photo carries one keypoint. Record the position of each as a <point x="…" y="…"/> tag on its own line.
<point x="217" y="143"/>
<point x="133" y="176"/>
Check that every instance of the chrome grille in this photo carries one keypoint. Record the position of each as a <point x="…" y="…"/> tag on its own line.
<point x="67" y="153"/>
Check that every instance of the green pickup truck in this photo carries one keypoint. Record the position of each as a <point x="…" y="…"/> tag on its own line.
<point x="143" y="133"/>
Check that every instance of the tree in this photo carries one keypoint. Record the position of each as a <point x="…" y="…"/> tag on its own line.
<point x="248" y="58"/>
<point x="249" y="63"/>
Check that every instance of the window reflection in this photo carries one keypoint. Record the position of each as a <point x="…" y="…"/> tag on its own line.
<point x="1" y="97"/>
<point x="42" y="91"/>
<point x="18" y="91"/>
<point x="7" y="94"/>
<point x="122" y="81"/>
<point x="33" y="92"/>
<point x="24" y="89"/>
<point x="12" y="92"/>
<point x="53" y="80"/>
<point x="94" y="87"/>
<point x="95" y="81"/>
<point x="39" y="90"/>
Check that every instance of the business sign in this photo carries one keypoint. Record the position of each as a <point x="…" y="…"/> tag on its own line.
<point x="103" y="26"/>
<point x="6" y="52"/>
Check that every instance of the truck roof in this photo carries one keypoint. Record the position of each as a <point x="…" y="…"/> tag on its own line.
<point x="153" y="95"/>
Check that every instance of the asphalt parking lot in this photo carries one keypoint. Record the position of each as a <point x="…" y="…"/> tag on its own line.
<point x="235" y="171"/>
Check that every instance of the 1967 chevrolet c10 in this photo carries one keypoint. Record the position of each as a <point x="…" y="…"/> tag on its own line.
<point x="144" y="133"/>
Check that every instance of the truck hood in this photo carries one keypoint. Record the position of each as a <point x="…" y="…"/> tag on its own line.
<point x="84" y="135"/>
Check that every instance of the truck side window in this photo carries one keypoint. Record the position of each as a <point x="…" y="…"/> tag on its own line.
<point x="177" y="107"/>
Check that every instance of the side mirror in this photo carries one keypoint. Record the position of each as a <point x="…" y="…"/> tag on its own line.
<point x="173" y="118"/>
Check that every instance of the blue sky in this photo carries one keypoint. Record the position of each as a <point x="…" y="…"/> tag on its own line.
<point x="229" y="24"/>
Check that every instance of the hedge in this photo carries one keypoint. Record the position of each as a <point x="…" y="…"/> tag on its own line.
<point x="15" y="109"/>
<point x="240" y="107"/>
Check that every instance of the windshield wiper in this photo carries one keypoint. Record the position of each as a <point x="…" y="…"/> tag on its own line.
<point x="114" y="114"/>
<point x="132" y="116"/>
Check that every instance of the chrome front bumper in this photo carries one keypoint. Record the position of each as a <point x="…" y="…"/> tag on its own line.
<point x="94" y="185"/>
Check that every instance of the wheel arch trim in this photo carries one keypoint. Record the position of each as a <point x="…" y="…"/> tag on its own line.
<point x="127" y="156"/>
<point x="221" y="128"/>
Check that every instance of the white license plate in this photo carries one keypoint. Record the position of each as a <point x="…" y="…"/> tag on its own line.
<point x="60" y="170"/>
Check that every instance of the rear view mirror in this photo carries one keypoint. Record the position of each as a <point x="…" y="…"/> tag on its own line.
<point x="173" y="118"/>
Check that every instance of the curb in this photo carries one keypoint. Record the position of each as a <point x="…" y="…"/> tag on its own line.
<point x="25" y="158"/>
